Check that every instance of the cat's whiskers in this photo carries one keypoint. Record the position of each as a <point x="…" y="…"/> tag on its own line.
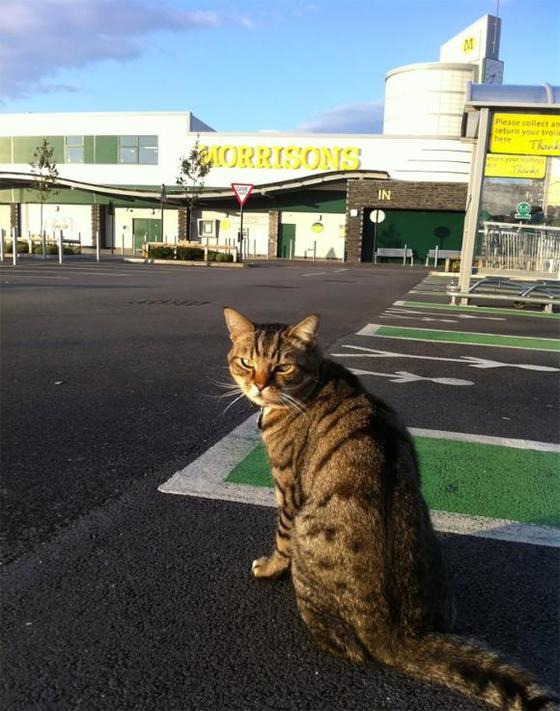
<point x="233" y="402"/>
<point x="292" y="403"/>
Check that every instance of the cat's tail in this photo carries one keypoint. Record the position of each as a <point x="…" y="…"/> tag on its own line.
<point x="469" y="668"/>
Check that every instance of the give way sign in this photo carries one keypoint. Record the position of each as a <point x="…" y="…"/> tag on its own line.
<point x="242" y="192"/>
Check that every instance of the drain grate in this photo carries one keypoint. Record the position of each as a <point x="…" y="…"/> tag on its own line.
<point x="168" y="302"/>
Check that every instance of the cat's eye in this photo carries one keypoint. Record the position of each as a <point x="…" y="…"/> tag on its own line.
<point x="284" y="368"/>
<point x="247" y="363"/>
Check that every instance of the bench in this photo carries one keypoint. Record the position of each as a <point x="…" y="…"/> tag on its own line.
<point x="401" y="253"/>
<point x="447" y="254"/>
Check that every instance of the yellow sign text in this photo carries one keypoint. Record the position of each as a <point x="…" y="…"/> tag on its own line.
<point x="527" y="134"/>
<point x="504" y="166"/>
<point x="283" y="157"/>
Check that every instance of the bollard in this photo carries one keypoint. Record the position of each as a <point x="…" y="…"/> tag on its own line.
<point x="1" y="246"/>
<point x="14" y="246"/>
<point x="436" y="256"/>
<point x="314" y="250"/>
<point x="60" y="248"/>
<point x="44" y="244"/>
<point x="122" y="243"/>
<point x="97" y="247"/>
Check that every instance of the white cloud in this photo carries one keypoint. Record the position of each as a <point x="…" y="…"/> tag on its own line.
<point x="365" y="117"/>
<point x="39" y="37"/>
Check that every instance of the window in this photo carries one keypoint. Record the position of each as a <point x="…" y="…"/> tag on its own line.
<point x="148" y="149"/>
<point x="74" y="149"/>
<point x="138" y="149"/>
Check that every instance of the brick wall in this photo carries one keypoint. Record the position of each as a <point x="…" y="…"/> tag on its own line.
<point x="395" y="195"/>
<point x="273" y="232"/>
<point x="15" y="211"/>
<point x="97" y="224"/>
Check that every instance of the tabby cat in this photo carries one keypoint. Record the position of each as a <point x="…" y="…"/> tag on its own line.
<point x="352" y="525"/>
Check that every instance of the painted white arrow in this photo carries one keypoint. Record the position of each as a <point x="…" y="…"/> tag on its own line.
<point x="470" y="361"/>
<point x="402" y="376"/>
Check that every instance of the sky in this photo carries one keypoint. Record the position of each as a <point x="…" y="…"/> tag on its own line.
<point x="251" y="65"/>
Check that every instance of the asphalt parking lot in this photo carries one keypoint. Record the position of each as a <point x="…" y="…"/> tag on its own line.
<point x="117" y="595"/>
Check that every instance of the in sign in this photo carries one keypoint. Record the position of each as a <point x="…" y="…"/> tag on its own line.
<point x="242" y="192"/>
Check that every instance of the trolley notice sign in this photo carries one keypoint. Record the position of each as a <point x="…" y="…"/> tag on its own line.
<point x="242" y="192"/>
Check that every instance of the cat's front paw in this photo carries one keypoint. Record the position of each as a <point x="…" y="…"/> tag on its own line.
<point x="269" y="567"/>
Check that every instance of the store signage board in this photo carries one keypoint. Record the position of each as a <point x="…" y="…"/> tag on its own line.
<point x="242" y="192"/>
<point x="526" y="134"/>
<point x="512" y="166"/>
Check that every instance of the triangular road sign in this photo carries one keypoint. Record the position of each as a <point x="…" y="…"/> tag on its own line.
<point x="242" y="192"/>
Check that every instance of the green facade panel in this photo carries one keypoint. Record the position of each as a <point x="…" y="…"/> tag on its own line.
<point x="5" y="149"/>
<point x="25" y="146"/>
<point x="89" y="147"/>
<point x="106" y="149"/>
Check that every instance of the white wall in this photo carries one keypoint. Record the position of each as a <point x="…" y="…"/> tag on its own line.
<point x="281" y="156"/>
<point x="255" y="227"/>
<point x="328" y="243"/>
<point x="5" y="219"/>
<point x="71" y="219"/>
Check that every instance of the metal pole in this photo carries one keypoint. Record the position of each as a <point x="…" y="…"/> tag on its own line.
<point x="97" y="247"/>
<point x="473" y="204"/>
<point x="404" y="256"/>
<point x="122" y="243"/>
<point x="44" y="244"/>
<point x="374" y="241"/>
<point x="314" y="250"/>
<point x="60" y="247"/>
<point x="241" y="234"/>
<point x="436" y="256"/>
<point x="14" y="247"/>
<point x="1" y="246"/>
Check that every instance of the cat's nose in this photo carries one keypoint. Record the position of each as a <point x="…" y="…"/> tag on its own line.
<point x="260" y="386"/>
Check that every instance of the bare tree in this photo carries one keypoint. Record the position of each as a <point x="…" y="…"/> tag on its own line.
<point x="193" y="169"/>
<point x="44" y="170"/>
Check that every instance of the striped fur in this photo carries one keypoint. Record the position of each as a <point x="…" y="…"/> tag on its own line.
<point x="352" y="525"/>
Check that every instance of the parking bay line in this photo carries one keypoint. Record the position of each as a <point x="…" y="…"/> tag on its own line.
<point x="212" y="476"/>
<point x="460" y="337"/>
<point x="475" y="309"/>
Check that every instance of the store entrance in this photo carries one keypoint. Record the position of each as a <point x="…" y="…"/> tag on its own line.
<point x="146" y="231"/>
<point x="419" y="230"/>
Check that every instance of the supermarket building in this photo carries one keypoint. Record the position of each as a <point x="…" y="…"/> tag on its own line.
<point x="313" y="193"/>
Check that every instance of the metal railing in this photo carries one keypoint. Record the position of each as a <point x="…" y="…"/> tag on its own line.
<point x="506" y="247"/>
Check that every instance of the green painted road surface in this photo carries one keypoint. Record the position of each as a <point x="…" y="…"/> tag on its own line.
<point x="465" y="477"/>
<point x="477" y="309"/>
<point x="461" y="337"/>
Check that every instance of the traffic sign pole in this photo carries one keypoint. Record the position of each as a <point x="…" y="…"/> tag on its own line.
<point x="242" y="192"/>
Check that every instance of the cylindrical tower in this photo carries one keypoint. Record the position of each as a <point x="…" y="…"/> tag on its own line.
<point x="426" y="99"/>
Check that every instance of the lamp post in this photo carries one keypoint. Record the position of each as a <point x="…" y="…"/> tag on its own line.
<point x="162" y="199"/>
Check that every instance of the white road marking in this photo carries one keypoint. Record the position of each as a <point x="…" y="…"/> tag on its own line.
<point x="486" y="439"/>
<point x="420" y="312"/>
<point x="205" y="478"/>
<point x="401" y="376"/>
<point x="470" y="361"/>
<point x="313" y="274"/>
<point x="419" y="318"/>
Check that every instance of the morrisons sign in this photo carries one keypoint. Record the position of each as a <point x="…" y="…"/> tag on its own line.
<point x="283" y="157"/>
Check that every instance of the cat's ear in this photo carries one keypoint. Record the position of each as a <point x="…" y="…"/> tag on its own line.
<point x="306" y="330"/>
<point x="237" y="324"/>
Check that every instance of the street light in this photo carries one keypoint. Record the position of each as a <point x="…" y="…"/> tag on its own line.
<point x="162" y="199"/>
